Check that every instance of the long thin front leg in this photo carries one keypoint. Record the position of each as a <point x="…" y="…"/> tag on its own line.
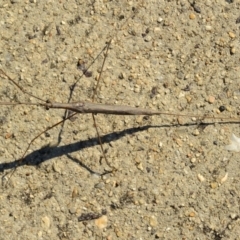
<point x="93" y="115"/>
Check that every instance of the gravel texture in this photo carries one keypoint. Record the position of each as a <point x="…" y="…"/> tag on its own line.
<point x="174" y="179"/>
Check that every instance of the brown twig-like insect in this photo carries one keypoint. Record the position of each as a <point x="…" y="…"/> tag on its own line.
<point x="96" y="108"/>
<point x="83" y="107"/>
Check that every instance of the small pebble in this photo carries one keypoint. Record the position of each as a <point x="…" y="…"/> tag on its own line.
<point x="101" y="222"/>
<point x="233" y="50"/>
<point x="233" y="215"/>
<point x="29" y="80"/>
<point x="193" y="160"/>
<point x="208" y="28"/>
<point x="224" y="179"/>
<point x="46" y="222"/>
<point x="160" y="20"/>
<point x="72" y="209"/>
<point x="196" y="132"/>
<point x="8" y="135"/>
<point x="153" y="222"/>
<point x="197" y="9"/>
<point x="179" y="142"/>
<point x="231" y="35"/>
<point x="149" y="229"/>
<point x="201" y="178"/>
<point x="192" y="214"/>
<point x="148" y="38"/>
<point x="188" y="98"/>
<point x="137" y="160"/>
<point x="141" y="201"/>
<point x="194" y="119"/>
<point x="214" y="185"/>
<point x="211" y="99"/>
<point x="75" y="192"/>
<point x="228" y="108"/>
<point x="180" y="120"/>
<point x="222" y="108"/>
<point x="192" y="16"/>
<point x="99" y="185"/>
<point x="140" y="166"/>
<point x="57" y="168"/>
<point x="137" y="89"/>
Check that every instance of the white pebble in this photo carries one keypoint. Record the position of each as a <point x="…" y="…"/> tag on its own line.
<point x="224" y="179"/>
<point x="160" y="144"/>
<point x="201" y="178"/>
<point x="208" y="28"/>
<point x="160" y="20"/>
<point x="193" y="160"/>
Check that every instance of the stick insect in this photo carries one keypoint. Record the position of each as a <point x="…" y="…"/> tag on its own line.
<point x="96" y="108"/>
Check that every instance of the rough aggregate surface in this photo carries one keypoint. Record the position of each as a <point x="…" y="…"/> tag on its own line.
<point x="174" y="178"/>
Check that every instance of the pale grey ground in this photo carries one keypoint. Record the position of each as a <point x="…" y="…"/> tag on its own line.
<point x="171" y="56"/>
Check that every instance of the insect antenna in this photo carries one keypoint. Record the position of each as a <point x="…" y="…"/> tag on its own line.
<point x="21" y="88"/>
